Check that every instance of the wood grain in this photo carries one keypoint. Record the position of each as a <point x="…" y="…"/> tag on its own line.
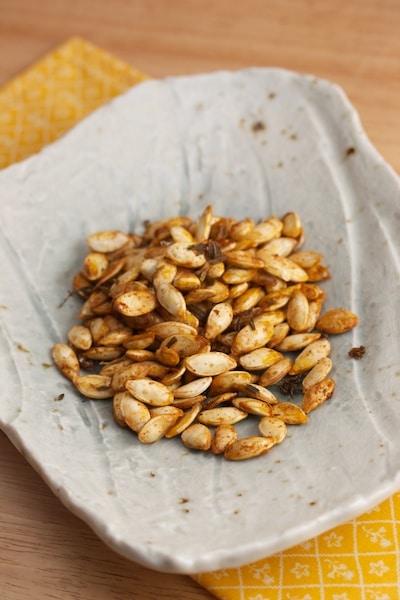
<point x="45" y="552"/>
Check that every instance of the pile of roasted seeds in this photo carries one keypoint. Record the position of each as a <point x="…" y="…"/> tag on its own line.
<point x="197" y="325"/>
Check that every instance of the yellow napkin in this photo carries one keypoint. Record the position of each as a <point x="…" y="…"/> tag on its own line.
<point x="359" y="560"/>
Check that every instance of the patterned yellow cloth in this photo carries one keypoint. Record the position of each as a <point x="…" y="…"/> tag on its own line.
<point x="359" y="560"/>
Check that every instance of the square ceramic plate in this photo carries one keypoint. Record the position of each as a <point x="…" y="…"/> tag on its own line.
<point x="251" y="143"/>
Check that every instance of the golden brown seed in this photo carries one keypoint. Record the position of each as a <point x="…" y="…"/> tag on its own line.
<point x="237" y="275"/>
<point x="105" y="353"/>
<point x="272" y="427"/>
<point x="116" y="337"/>
<point x="216" y="270"/>
<point x="306" y="258"/>
<point x="248" y="300"/>
<point x="249" y="338"/>
<point x="336" y="321"/>
<point x="193" y="388"/>
<point x="166" y="410"/>
<point x="197" y="437"/>
<point x="260" y="392"/>
<point x="275" y="372"/>
<point x="297" y="311"/>
<point x="282" y="246"/>
<point x="96" y="386"/>
<point x="181" y="234"/>
<point x="166" y="329"/>
<point x="214" y="401"/>
<point x="318" y="394"/>
<point x="317" y="373"/>
<point x="183" y="422"/>
<point x="94" y="265"/>
<point x="116" y="409"/>
<point x="244" y="259"/>
<point x="186" y="281"/>
<point x="291" y="225"/>
<point x="209" y="363"/>
<point x="135" y="303"/>
<point x="140" y="341"/>
<point x="310" y="355"/>
<point x="134" y="412"/>
<point x="203" y="225"/>
<point x="229" y="382"/>
<point x="252" y="406"/>
<point x="66" y="360"/>
<point x="223" y="414"/>
<point x="259" y="359"/>
<point x="150" y="391"/>
<point x="184" y="403"/>
<point x="139" y="354"/>
<point x="107" y="241"/>
<point x="248" y="447"/>
<point x="280" y="332"/>
<point x="224" y="435"/>
<point x="289" y="412"/>
<point x="242" y="229"/>
<point x="284" y="268"/>
<point x="156" y="428"/>
<point x="296" y="341"/>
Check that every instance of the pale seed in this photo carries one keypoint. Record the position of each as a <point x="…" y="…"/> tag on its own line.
<point x="258" y="359"/>
<point x="210" y="363"/>
<point x="297" y="311"/>
<point x="296" y="341"/>
<point x="218" y="320"/>
<point x="107" y="241"/>
<point x="80" y="337"/>
<point x="226" y="414"/>
<point x="197" y="437"/>
<point x="150" y="391"/>
<point x="66" y="361"/>
<point x="193" y="388"/>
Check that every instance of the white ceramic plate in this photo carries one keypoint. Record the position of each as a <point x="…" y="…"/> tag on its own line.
<point x="252" y="143"/>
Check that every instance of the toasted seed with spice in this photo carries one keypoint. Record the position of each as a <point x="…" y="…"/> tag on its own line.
<point x="259" y="359"/>
<point x="135" y="303"/>
<point x="319" y="372"/>
<point x="66" y="361"/>
<point x="249" y="337"/>
<point x="310" y="355"/>
<point x="183" y="422"/>
<point x="96" y="387"/>
<point x="289" y="412"/>
<point x="80" y="337"/>
<point x="275" y="372"/>
<point x="284" y="268"/>
<point x="156" y="428"/>
<point x="336" y="321"/>
<point x="252" y="406"/>
<point x="318" y="394"/>
<point x="94" y="265"/>
<point x="224" y="436"/>
<point x="134" y="412"/>
<point x="197" y="437"/>
<point x="273" y="427"/>
<point x="222" y="414"/>
<point x="230" y="381"/>
<point x="182" y="254"/>
<point x="116" y="408"/>
<point x="193" y="388"/>
<point x="297" y="311"/>
<point x="218" y="320"/>
<point x="150" y="391"/>
<point x="248" y="447"/>
<point x="260" y="392"/>
<point x="296" y="341"/>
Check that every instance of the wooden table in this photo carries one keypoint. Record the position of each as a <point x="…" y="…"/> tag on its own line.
<point x="45" y="552"/>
